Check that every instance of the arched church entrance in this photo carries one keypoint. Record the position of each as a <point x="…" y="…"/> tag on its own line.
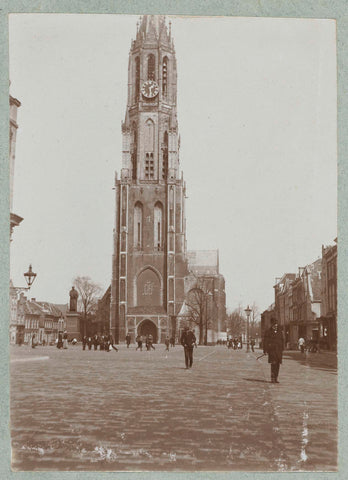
<point x="147" y="327"/>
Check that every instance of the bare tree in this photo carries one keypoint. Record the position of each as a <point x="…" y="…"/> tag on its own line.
<point x="196" y="306"/>
<point x="202" y="308"/>
<point x="254" y="320"/>
<point x="236" y="322"/>
<point x="89" y="293"/>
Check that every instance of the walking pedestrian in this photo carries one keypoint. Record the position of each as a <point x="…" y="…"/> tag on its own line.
<point x="95" y="341"/>
<point x="33" y="341"/>
<point x="128" y="339"/>
<point x="65" y="339"/>
<point x="150" y="342"/>
<point x="301" y="344"/>
<point x="166" y="342"/>
<point x="252" y="344"/>
<point x="273" y="345"/>
<point x="60" y="340"/>
<point x="84" y="342"/>
<point x="89" y="343"/>
<point x="188" y="341"/>
<point x="139" y="341"/>
<point x="109" y="343"/>
<point x="172" y="341"/>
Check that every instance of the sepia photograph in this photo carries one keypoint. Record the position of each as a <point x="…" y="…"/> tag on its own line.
<point x="173" y="243"/>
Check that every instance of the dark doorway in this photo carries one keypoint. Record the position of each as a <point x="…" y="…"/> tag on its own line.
<point x="148" y="328"/>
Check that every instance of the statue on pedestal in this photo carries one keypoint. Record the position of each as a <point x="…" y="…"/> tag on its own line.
<point x="73" y="300"/>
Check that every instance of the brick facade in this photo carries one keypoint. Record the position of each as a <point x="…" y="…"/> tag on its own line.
<point x="149" y="263"/>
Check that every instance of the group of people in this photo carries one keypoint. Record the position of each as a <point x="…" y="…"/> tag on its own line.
<point x="104" y="342"/>
<point x="62" y="340"/>
<point x="309" y="345"/>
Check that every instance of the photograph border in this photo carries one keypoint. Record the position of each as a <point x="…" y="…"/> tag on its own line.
<point x="324" y="9"/>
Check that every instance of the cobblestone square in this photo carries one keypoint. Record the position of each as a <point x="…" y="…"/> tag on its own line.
<point x="132" y="410"/>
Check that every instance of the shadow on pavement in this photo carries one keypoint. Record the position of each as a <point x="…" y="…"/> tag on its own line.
<point x="326" y="361"/>
<point x="256" y="380"/>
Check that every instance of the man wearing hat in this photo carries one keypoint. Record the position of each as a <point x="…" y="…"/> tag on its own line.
<point x="188" y="340"/>
<point x="273" y="345"/>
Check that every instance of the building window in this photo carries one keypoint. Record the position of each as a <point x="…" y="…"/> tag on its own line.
<point x="165" y="156"/>
<point x="138" y="225"/>
<point x="134" y="151"/>
<point x="165" y="76"/>
<point x="158" y="226"/>
<point x="149" y="167"/>
<point x="137" y="79"/>
<point x="151" y="67"/>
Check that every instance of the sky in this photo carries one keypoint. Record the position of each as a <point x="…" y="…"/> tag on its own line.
<point x="257" y="119"/>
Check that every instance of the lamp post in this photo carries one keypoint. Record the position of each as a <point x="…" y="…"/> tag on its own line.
<point x="248" y="312"/>
<point x="208" y="294"/>
<point x="29" y="278"/>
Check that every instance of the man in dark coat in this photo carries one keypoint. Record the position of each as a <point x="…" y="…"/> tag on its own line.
<point x="273" y="345"/>
<point x="188" y="341"/>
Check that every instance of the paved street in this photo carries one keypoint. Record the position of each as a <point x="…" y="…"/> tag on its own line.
<point x="128" y="410"/>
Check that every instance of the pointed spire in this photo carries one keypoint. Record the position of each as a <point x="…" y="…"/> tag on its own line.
<point x="152" y="27"/>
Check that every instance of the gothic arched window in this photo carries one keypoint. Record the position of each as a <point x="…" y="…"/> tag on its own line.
<point x="134" y="151"/>
<point x="165" y="76"/>
<point x="165" y="155"/>
<point x="138" y="226"/>
<point x="137" y="78"/>
<point x="158" y="226"/>
<point x="149" y="144"/>
<point x="151" y="67"/>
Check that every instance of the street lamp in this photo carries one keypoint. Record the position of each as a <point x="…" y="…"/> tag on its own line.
<point x="206" y="317"/>
<point x="29" y="278"/>
<point x="60" y="324"/>
<point x="248" y="312"/>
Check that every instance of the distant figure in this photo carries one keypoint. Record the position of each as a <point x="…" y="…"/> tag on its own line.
<point x="65" y="339"/>
<point x="109" y="343"/>
<point x="84" y="342"/>
<point x="89" y="343"/>
<point x="95" y="341"/>
<point x="33" y="341"/>
<point x="73" y="341"/>
<point x="167" y="342"/>
<point x="273" y="345"/>
<point x="60" y="340"/>
<point x="188" y="340"/>
<point x="128" y="339"/>
<point x="252" y="344"/>
<point x="301" y="344"/>
<point x="139" y="341"/>
<point x="172" y="341"/>
<point x="150" y="342"/>
<point x="73" y="299"/>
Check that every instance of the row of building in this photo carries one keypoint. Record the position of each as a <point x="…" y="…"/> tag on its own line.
<point x="305" y="303"/>
<point x="31" y="317"/>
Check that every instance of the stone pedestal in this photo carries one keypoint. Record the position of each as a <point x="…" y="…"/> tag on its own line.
<point x="73" y="325"/>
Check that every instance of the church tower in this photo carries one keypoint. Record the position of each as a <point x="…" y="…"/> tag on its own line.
<point x="149" y="260"/>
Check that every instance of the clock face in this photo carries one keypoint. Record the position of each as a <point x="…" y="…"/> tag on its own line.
<point x="149" y="89"/>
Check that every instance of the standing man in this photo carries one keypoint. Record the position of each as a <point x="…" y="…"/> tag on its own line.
<point x="150" y="342"/>
<point x="128" y="339"/>
<point x="166" y="342"/>
<point x="65" y="339"/>
<point x="273" y="345"/>
<point x="188" y="340"/>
